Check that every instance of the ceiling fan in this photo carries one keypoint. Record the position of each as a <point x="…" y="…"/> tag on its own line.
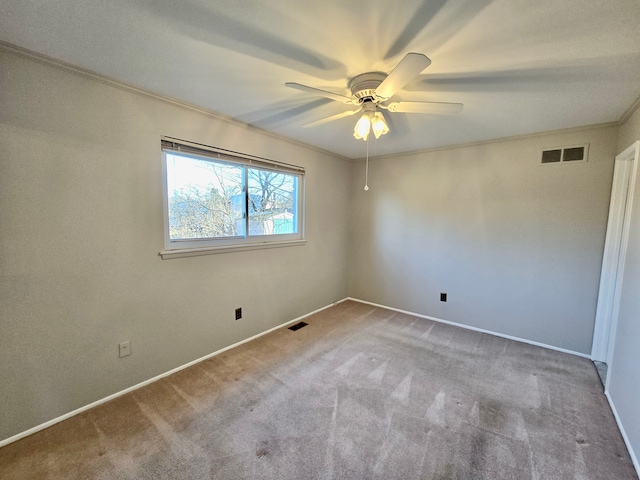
<point x="371" y="91"/>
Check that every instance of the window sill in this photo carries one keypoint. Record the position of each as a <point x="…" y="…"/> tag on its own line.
<point x="195" y="252"/>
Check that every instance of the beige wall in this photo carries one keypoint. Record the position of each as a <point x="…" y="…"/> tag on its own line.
<point x="624" y="386"/>
<point x="516" y="245"/>
<point x="81" y="227"/>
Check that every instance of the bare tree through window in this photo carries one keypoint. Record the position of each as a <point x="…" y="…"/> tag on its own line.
<point x="207" y="199"/>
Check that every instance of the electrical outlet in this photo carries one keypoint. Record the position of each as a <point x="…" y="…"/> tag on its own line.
<point x="443" y="297"/>
<point x="238" y="313"/>
<point x="125" y="349"/>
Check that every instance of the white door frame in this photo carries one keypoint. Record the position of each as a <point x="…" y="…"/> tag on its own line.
<point x="615" y="250"/>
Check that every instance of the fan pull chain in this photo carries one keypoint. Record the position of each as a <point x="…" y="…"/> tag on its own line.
<point x="366" y="169"/>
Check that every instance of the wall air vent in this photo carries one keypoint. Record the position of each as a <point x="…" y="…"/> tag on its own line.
<point x="564" y="155"/>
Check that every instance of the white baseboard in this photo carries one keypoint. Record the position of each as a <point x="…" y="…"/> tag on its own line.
<point x="632" y="454"/>
<point x="73" y="413"/>
<point x="475" y="329"/>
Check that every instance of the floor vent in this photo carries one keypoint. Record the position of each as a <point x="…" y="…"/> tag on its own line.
<point x="298" y="326"/>
<point x="564" y="155"/>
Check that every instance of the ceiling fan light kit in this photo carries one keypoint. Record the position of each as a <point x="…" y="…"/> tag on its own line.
<point x="371" y="119"/>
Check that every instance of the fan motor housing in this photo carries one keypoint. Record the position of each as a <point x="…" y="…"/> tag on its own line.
<point x="364" y="86"/>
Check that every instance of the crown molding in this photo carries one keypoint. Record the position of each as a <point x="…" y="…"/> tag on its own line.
<point x="632" y="109"/>
<point x="90" y="74"/>
<point x="44" y="59"/>
<point x="497" y="140"/>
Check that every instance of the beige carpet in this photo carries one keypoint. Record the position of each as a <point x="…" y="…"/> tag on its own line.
<point x="359" y="393"/>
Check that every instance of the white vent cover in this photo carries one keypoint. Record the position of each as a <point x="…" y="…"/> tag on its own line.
<point x="573" y="154"/>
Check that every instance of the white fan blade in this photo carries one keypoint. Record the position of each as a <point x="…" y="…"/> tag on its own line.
<point x="322" y="93"/>
<point x="408" y="68"/>
<point x="441" y="108"/>
<point x="348" y="113"/>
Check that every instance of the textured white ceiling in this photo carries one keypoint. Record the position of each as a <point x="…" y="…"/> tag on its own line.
<point x="518" y="66"/>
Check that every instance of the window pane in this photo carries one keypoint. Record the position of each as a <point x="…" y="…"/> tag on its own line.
<point x="272" y="202"/>
<point x="205" y="198"/>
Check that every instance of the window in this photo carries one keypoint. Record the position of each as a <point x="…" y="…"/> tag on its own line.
<point x="217" y="200"/>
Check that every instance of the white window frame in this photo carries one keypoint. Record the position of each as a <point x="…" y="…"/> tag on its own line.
<point x="207" y="246"/>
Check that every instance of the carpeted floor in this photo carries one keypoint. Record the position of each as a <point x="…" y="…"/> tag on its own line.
<point x="359" y="393"/>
